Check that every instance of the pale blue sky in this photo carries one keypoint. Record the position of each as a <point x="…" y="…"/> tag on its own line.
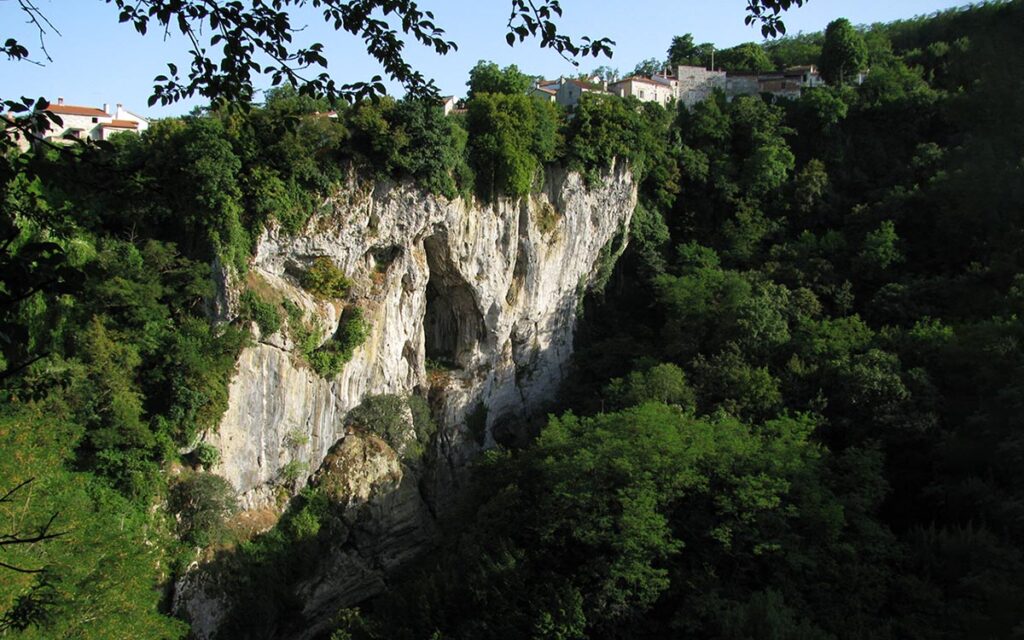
<point x="96" y="60"/>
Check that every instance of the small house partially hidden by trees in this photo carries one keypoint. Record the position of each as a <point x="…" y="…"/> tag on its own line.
<point x="88" y="123"/>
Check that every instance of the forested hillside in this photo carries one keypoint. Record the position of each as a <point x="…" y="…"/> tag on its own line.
<point x="794" y="410"/>
<point x="111" y="364"/>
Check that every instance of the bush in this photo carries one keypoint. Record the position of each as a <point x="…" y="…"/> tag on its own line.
<point x="325" y="280"/>
<point x="384" y="416"/>
<point x="296" y="438"/>
<point x="387" y="416"/>
<point x="422" y="420"/>
<point x="292" y="471"/>
<point x="207" y="455"/>
<point x="202" y="503"/>
<point x="264" y="314"/>
<point x="329" y="359"/>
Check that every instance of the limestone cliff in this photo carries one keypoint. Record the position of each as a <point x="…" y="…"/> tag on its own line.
<point x="490" y="290"/>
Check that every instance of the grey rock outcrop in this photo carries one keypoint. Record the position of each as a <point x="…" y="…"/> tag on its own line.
<point x="491" y="291"/>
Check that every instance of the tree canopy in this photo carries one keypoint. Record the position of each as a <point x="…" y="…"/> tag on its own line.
<point x="487" y="77"/>
<point x="843" y="54"/>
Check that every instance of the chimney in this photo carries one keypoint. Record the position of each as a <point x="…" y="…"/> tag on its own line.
<point x="60" y="100"/>
<point x="106" y="108"/>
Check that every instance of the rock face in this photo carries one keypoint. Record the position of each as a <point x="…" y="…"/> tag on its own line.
<point x="491" y="291"/>
<point x="384" y="523"/>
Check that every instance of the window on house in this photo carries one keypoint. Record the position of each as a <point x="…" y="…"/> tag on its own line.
<point x="95" y="120"/>
<point x="641" y="94"/>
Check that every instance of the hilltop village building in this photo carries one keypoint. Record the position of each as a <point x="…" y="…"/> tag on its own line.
<point x="687" y="84"/>
<point x="88" y="123"/>
<point x="658" y="88"/>
<point x="570" y="91"/>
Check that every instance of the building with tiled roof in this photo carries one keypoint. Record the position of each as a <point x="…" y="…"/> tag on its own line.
<point x="653" y="89"/>
<point x="91" y="123"/>
<point x="570" y="91"/>
<point x="546" y="93"/>
<point x="448" y="103"/>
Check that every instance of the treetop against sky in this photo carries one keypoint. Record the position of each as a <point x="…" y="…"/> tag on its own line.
<point x="96" y="60"/>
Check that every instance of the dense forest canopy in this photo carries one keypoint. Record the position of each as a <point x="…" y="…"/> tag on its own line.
<point x="795" y="405"/>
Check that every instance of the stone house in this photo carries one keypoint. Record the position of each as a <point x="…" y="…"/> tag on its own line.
<point x="660" y="89"/>
<point x="689" y="85"/>
<point x="696" y="84"/>
<point x="91" y="123"/>
<point x="547" y="93"/>
<point x="569" y="91"/>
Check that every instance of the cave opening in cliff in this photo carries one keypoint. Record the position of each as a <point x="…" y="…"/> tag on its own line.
<point x="452" y="325"/>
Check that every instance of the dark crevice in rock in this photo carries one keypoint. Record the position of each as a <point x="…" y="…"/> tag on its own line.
<point x="452" y="325"/>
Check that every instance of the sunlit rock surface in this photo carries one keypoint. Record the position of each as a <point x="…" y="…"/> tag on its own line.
<point x="490" y="291"/>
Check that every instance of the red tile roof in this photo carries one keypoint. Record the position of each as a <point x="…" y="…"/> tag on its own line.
<point x="121" y="124"/>
<point x="585" y="85"/>
<point x="641" y="79"/>
<point x="72" y="110"/>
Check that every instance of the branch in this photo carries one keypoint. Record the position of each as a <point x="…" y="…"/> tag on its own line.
<point x="43" y="534"/>
<point x="37" y="18"/>
<point x="7" y="496"/>
<point x="20" y="569"/>
<point x="13" y="371"/>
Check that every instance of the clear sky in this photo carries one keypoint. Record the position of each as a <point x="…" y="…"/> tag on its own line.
<point x="97" y="61"/>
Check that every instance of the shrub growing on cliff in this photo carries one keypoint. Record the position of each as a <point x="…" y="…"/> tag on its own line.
<point x="202" y="503"/>
<point x="388" y="416"/>
<point x="325" y="280"/>
<point x="385" y="416"/>
<point x="264" y="314"/>
<point x="331" y="357"/>
<point x="207" y="455"/>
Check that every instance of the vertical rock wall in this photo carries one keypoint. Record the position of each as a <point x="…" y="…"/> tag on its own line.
<point x="490" y="291"/>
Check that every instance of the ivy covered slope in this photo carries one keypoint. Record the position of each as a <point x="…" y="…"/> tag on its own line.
<point x="111" y="367"/>
<point x="796" y="412"/>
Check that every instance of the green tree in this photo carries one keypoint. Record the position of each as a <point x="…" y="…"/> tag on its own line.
<point x="664" y="383"/>
<point x="649" y="67"/>
<point x="844" y="53"/>
<point x="487" y="77"/>
<point x="744" y="58"/>
<point x="682" y="51"/>
<point x="510" y="137"/>
<point x="202" y="503"/>
<point x="97" y="580"/>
